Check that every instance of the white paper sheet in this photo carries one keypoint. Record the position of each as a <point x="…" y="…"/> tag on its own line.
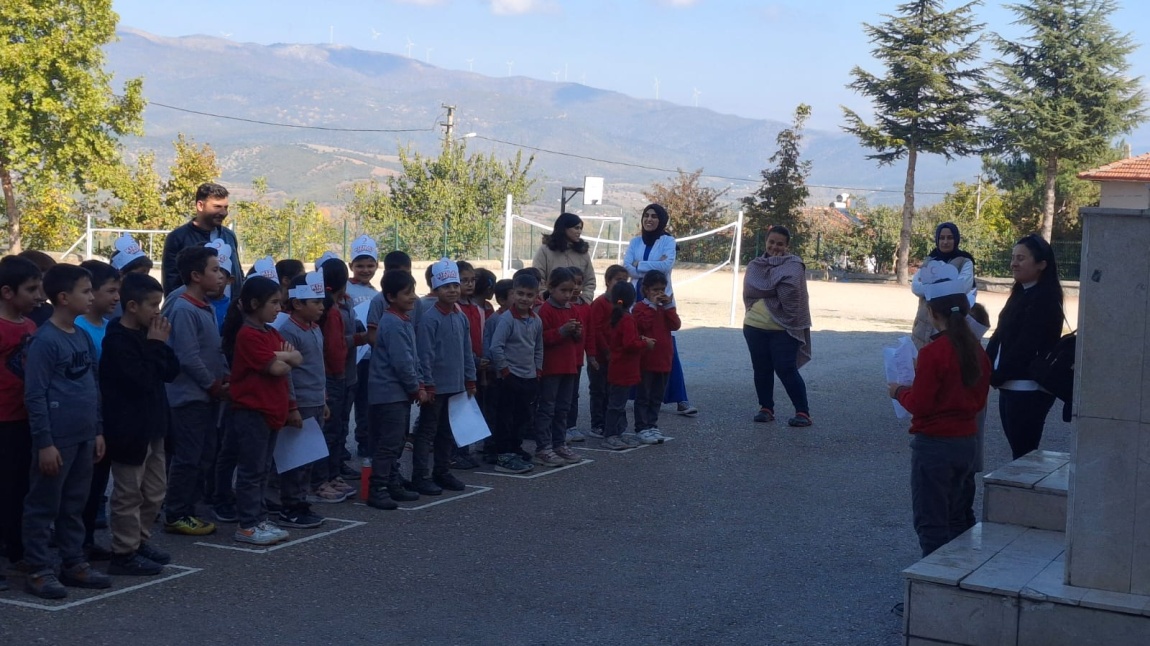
<point x="296" y="447"/>
<point x="467" y="423"/>
<point x="362" y="351"/>
<point x="899" y="364"/>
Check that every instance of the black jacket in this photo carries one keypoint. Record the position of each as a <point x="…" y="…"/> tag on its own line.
<point x="1029" y="325"/>
<point x="133" y="371"/>
<point x="189" y="235"/>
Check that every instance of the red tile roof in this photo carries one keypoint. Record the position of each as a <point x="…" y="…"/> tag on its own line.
<point x="1133" y="169"/>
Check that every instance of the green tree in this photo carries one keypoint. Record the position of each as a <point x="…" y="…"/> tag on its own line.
<point x="1062" y="92"/>
<point x="53" y="214"/>
<point x="693" y="209"/>
<point x="445" y="205"/>
<point x="982" y="217"/>
<point x="58" y="114"/>
<point x="780" y="199"/>
<point x="926" y="102"/>
<point x="291" y="230"/>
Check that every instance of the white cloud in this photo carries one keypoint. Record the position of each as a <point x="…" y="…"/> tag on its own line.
<point x="518" y="7"/>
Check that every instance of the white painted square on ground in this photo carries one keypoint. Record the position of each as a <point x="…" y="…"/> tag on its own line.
<point x="297" y="537"/>
<point x="431" y="501"/>
<point x="170" y="573"/>
<point x="538" y="472"/>
<point x="594" y="446"/>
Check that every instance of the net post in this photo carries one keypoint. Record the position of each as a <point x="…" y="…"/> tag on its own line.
<point x="88" y="241"/>
<point x="735" y="273"/>
<point x="507" y="223"/>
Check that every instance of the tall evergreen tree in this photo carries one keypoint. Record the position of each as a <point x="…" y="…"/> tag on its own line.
<point x="1061" y="93"/>
<point x="926" y="102"/>
<point x="784" y="190"/>
<point x="58" y="114"/>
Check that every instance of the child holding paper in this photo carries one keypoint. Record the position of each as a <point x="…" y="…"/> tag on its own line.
<point x="951" y="383"/>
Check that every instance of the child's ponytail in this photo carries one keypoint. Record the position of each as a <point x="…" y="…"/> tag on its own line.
<point x="954" y="309"/>
<point x="622" y="298"/>
<point x="254" y="295"/>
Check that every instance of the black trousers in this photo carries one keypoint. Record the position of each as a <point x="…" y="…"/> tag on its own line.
<point x="941" y="470"/>
<point x="516" y="401"/>
<point x="1023" y="414"/>
<point x="15" y="462"/>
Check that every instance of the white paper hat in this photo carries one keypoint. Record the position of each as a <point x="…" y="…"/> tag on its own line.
<point x="224" y="252"/>
<point x="127" y="250"/>
<point x="364" y="246"/>
<point x="940" y="279"/>
<point x="444" y="272"/>
<point x="266" y="267"/>
<point x="327" y="255"/>
<point x="313" y="288"/>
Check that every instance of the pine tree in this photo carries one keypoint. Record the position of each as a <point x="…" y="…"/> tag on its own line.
<point x="784" y="192"/>
<point x="926" y="102"/>
<point x="58" y="114"/>
<point x="1062" y="93"/>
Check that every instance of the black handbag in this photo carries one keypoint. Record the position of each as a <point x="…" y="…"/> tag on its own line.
<point x="1054" y="371"/>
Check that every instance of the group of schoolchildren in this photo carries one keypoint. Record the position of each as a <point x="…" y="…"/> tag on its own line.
<point x="179" y="399"/>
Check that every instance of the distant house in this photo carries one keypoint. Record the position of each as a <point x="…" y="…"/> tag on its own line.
<point x="1125" y="183"/>
<point x="836" y="217"/>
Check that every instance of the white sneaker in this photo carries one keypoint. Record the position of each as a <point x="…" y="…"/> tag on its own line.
<point x="575" y="435"/>
<point x="261" y="534"/>
<point x="631" y="438"/>
<point x="685" y="408"/>
<point x="655" y="433"/>
<point x="596" y="433"/>
<point x="647" y="437"/>
<point x="275" y="529"/>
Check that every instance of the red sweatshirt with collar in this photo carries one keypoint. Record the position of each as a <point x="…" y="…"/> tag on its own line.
<point x="601" y="326"/>
<point x="334" y="344"/>
<point x="587" y="342"/>
<point x="476" y="317"/>
<point x="657" y="323"/>
<point x="560" y="352"/>
<point x="626" y="353"/>
<point x="941" y="405"/>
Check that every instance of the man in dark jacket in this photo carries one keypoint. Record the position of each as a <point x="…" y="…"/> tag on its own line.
<point x="207" y="225"/>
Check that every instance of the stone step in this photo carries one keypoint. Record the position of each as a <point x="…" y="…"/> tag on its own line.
<point x="1030" y="491"/>
<point x="1003" y="584"/>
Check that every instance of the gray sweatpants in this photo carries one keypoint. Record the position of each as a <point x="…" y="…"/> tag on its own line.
<point x="58" y="499"/>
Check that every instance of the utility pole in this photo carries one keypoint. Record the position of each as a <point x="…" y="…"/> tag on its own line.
<point x="978" y="200"/>
<point x="449" y="125"/>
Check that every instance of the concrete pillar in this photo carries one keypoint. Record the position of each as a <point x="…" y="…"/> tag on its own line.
<point x="1108" y="523"/>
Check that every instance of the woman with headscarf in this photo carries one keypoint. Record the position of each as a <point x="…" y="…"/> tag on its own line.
<point x="565" y="247"/>
<point x="946" y="241"/>
<point x="654" y="250"/>
<point x="777" y="325"/>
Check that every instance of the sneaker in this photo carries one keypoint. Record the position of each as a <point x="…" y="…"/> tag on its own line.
<point x="511" y="463"/>
<point x="154" y="554"/>
<point x="45" y="585"/>
<point x="765" y="415"/>
<point x="301" y="518"/>
<point x="425" y="487"/>
<point x="685" y="408"/>
<point x="524" y="455"/>
<point x="261" y="534"/>
<point x="576" y="435"/>
<point x="631" y="438"/>
<point x="596" y="433"/>
<point x="326" y="494"/>
<point x="549" y="459"/>
<point x="399" y="493"/>
<point x="448" y="481"/>
<point x="653" y="433"/>
<point x="341" y="485"/>
<point x="800" y="420"/>
<point x="615" y="443"/>
<point x="463" y="461"/>
<point x="134" y="564"/>
<point x="225" y="513"/>
<point x="646" y="437"/>
<point x="348" y="473"/>
<point x="97" y="552"/>
<point x="189" y="526"/>
<point x="380" y="499"/>
<point x="81" y="575"/>
<point x="568" y="456"/>
<point x="274" y="529"/>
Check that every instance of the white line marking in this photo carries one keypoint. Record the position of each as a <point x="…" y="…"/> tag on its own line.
<point x="538" y="473"/>
<point x="79" y="602"/>
<point x="634" y="448"/>
<point x="264" y="550"/>
<point x="478" y="490"/>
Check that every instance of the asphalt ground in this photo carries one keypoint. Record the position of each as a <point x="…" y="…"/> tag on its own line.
<point x="732" y="533"/>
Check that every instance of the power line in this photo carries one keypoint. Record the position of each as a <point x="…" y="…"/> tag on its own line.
<point x="290" y="125"/>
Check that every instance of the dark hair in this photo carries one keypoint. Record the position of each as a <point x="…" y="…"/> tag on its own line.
<point x="289" y="268"/>
<point x="463" y="266"/>
<point x="63" y="278"/>
<point x="297" y="281"/>
<point x="557" y="240"/>
<point x="781" y="230"/>
<point x="101" y="272"/>
<point x="622" y="298"/>
<point x="558" y="276"/>
<point x="193" y="260"/>
<point x="649" y="237"/>
<point x="427" y="275"/>
<point x="136" y="263"/>
<point x="258" y="289"/>
<point x="978" y="313"/>
<point x="503" y="288"/>
<point x="396" y="260"/>
<point x="209" y="189"/>
<point x="39" y="258"/>
<point x="1042" y="251"/>
<point x="524" y="281"/>
<point x="654" y="278"/>
<point x="612" y="271"/>
<point x="484" y="281"/>
<point x="15" y="271"/>
<point x="576" y="272"/>
<point x="334" y="281"/>
<point x="396" y="281"/>
<point x="136" y="287"/>
<point x="954" y="309"/>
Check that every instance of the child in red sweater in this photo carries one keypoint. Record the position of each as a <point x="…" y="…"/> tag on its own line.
<point x="586" y="348"/>
<point x="562" y="342"/>
<point x="951" y="382"/>
<point x="656" y="318"/>
<point x="623" y="372"/>
<point x="597" y="363"/>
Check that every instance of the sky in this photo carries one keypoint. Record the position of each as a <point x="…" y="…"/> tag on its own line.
<point x="752" y="59"/>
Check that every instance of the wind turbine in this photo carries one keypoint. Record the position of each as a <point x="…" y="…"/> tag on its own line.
<point x="696" y="93"/>
<point x="409" y="46"/>
<point x="470" y="66"/>
<point x="375" y="34"/>
<point x="556" y="75"/>
<point x="656" y="88"/>
<point x="510" y="64"/>
<point x="226" y="34"/>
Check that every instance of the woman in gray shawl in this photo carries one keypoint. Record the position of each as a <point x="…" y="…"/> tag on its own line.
<point x="777" y="325"/>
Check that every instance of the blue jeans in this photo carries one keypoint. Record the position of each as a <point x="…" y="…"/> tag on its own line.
<point x="776" y="352"/>
<point x="940" y="474"/>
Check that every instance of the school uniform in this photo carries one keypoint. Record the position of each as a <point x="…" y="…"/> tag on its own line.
<point x="360" y="293"/>
<point x="586" y="348"/>
<point x="597" y="377"/>
<point x="447" y="364"/>
<point x="517" y="356"/>
<point x="560" y="365"/>
<point x="15" y="436"/>
<point x="309" y="391"/>
<point x="394" y="380"/>
<point x="656" y="322"/>
<point x="623" y="372"/>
